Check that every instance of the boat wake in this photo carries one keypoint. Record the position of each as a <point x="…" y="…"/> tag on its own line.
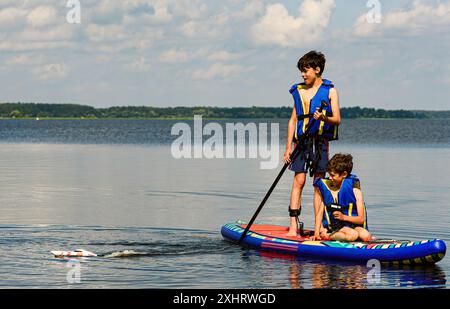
<point x="123" y="254"/>
<point x="188" y="248"/>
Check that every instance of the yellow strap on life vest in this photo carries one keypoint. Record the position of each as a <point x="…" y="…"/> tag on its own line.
<point x="296" y="118"/>
<point x="365" y="219"/>
<point x="299" y="87"/>
<point x="328" y="217"/>
<point x="322" y="123"/>
<point x="334" y="199"/>
<point x="326" y="183"/>
<point x="350" y="208"/>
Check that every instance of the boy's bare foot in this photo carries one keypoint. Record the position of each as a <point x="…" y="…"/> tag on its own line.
<point x="291" y="234"/>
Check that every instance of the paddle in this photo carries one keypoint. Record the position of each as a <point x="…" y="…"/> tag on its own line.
<point x="293" y="156"/>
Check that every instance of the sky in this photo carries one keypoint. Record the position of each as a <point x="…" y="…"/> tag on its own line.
<point x="390" y="54"/>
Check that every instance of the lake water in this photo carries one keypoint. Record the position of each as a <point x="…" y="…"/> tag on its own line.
<point x="114" y="188"/>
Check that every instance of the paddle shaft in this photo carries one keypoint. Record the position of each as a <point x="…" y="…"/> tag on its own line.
<point x="293" y="156"/>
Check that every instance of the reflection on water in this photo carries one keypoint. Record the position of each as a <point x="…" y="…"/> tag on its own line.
<point x="331" y="275"/>
<point x="419" y="276"/>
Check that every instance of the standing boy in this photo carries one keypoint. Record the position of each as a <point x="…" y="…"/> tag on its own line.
<point x="314" y="150"/>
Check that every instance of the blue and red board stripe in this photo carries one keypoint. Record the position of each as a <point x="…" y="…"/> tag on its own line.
<point x="292" y="248"/>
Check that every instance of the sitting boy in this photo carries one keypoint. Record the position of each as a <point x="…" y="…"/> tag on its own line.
<point x="340" y="213"/>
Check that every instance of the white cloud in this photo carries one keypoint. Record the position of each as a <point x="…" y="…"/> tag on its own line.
<point x="224" y="56"/>
<point x="159" y="14"/>
<point x="215" y="27"/>
<point x="367" y="63"/>
<point x="174" y="56"/>
<point x="53" y="71"/>
<point x="420" y="18"/>
<point x="141" y="64"/>
<point x="24" y="60"/>
<point x="192" y="9"/>
<point x="128" y="45"/>
<point x="106" y="12"/>
<point x="278" y="27"/>
<point x="251" y="10"/>
<point x="146" y="12"/>
<point x="362" y="28"/>
<point x="198" y="29"/>
<point x="19" y="46"/>
<point x="27" y="26"/>
<point x="11" y="17"/>
<point x="58" y="33"/>
<point x="99" y="33"/>
<point x="427" y="64"/>
<point x="99" y="87"/>
<point x="219" y="70"/>
<point x="7" y="3"/>
<point x="43" y="16"/>
<point x="181" y="56"/>
<point x="103" y="58"/>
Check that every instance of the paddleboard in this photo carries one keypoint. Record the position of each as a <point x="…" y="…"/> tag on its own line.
<point x="273" y="238"/>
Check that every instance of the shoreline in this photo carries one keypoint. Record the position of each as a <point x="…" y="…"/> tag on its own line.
<point x="192" y="118"/>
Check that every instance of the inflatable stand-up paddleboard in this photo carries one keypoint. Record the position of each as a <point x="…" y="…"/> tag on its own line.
<point x="272" y="238"/>
<point x="76" y="253"/>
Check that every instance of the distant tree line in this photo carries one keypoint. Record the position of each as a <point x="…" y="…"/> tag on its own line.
<point x="20" y="110"/>
<point x="38" y="110"/>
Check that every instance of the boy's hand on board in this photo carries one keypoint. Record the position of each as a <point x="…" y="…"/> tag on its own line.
<point x="315" y="237"/>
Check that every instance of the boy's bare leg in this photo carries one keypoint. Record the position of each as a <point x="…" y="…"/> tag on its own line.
<point x="345" y="234"/>
<point x="363" y="234"/>
<point x="296" y="194"/>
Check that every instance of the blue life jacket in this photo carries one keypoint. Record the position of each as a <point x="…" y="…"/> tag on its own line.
<point x="345" y="198"/>
<point x="320" y="128"/>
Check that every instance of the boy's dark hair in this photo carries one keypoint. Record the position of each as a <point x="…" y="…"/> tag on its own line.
<point x="340" y="163"/>
<point x="313" y="59"/>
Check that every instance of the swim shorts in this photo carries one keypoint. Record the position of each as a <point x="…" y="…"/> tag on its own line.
<point x="299" y="164"/>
